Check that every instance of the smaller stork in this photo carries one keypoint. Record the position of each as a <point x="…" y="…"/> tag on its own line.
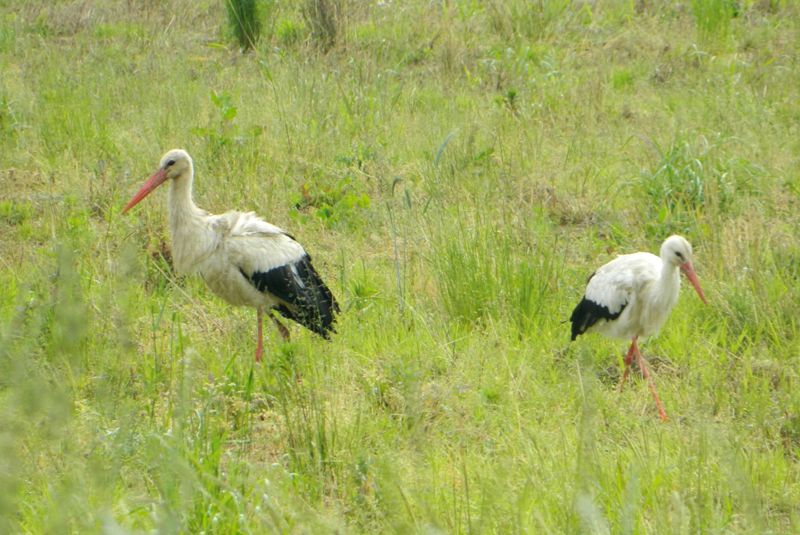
<point x="632" y="296"/>
<point x="243" y="259"/>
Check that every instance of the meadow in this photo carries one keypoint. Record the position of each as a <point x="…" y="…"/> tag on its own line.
<point x="456" y="169"/>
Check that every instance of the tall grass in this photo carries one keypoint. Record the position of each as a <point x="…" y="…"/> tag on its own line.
<point x="245" y="22"/>
<point x="323" y="19"/>
<point x="696" y="181"/>
<point x="713" y="18"/>
<point x="456" y="182"/>
<point x="484" y="271"/>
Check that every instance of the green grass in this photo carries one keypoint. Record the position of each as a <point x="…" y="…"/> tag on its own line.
<point x="455" y="181"/>
<point x="244" y="21"/>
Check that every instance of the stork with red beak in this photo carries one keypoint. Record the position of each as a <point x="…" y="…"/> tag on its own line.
<point x="632" y="296"/>
<point x="243" y="259"/>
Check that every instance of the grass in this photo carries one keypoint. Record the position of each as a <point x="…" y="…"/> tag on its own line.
<point x="455" y="181"/>
<point x="244" y="22"/>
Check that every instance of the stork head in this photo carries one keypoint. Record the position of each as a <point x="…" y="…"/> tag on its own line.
<point x="676" y="251"/>
<point x="174" y="165"/>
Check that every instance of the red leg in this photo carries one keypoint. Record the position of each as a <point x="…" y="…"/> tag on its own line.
<point x="661" y="413"/>
<point x="260" y="342"/>
<point x="628" y="361"/>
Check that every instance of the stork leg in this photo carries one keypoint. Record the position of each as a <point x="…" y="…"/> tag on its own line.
<point x="281" y="328"/>
<point x="259" y="336"/>
<point x="661" y="413"/>
<point x="628" y="360"/>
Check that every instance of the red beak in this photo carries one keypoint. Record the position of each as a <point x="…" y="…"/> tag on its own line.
<point x="152" y="183"/>
<point x="688" y="270"/>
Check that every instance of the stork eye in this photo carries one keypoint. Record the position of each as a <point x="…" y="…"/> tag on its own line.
<point x="679" y="254"/>
<point x="169" y="163"/>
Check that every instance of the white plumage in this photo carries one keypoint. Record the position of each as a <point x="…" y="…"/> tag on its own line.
<point x="633" y="295"/>
<point x="242" y="258"/>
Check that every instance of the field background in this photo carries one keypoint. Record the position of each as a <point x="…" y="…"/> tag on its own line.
<point x="456" y="170"/>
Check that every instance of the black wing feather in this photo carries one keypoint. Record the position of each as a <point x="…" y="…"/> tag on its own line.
<point x="587" y="313"/>
<point x="305" y="298"/>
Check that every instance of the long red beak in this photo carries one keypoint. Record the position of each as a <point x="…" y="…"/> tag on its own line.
<point x="688" y="270"/>
<point x="152" y="183"/>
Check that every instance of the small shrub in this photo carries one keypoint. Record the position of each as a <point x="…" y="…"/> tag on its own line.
<point x="14" y="213"/>
<point x="219" y="134"/>
<point x="288" y="32"/>
<point x="339" y="202"/>
<point x="243" y="17"/>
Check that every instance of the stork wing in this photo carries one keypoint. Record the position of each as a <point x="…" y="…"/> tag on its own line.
<point x="275" y="263"/>
<point x="304" y="296"/>
<point x="248" y="224"/>
<point x="608" y="292"/>
<point x="611" y="288"/>
<point x="252" y="244"/>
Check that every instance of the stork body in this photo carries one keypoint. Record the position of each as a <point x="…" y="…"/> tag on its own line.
<point x="632" y="296"/>
<point x="243" y="259"/>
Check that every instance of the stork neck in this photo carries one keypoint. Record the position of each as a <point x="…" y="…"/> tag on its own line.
<point x="181" y="206"/>
<point x="670" y="281"/>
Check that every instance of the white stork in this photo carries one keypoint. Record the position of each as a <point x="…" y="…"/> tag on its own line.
<point x="243" y="259"/>
<point x="632" y="296"/>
